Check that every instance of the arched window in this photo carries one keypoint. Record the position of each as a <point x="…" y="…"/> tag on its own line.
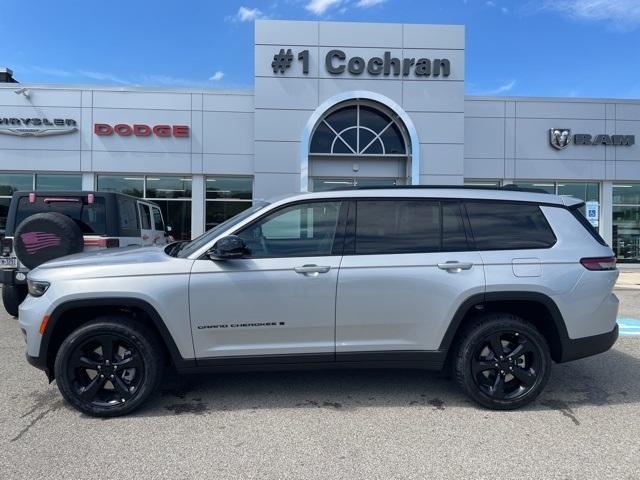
<point x="359" y="128"/>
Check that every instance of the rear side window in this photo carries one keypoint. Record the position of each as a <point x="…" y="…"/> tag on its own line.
<point x="145" y="217"/>
<point x="157" y="219"/>
<point x="90" y="217"/>
<point x="509" y="226"/>
<point x="128" y="217"/>
<point x="575" y="211"/>
<point x="397" y="226"/>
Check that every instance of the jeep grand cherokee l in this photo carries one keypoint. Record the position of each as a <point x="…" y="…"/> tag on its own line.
<point x="495" y="283"/>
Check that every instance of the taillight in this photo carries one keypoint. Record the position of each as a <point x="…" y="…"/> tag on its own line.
<point x="599" y="263"/>
<point x="7" y="246"/>
<point x="112" y="243"/>
<point x="104" y="242"/>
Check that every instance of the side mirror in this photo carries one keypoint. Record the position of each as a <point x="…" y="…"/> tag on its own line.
<point x="228" y="247"/>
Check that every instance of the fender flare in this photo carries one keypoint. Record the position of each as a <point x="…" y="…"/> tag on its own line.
<point x="512" y="296"/>
<point x="178" y="360"/>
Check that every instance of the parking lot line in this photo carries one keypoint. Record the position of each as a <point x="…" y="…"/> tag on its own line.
<point x="629" y="327"/>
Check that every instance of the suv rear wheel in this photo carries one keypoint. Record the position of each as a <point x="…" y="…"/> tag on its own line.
<point x="503" y="362"/>
<point x="109" y="366"/>
<point x="12" y="297"/>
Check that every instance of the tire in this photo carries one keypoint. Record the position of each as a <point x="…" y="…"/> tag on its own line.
<point x="514" y="376"/>
<point x="45" y="236"/>
<point x="12" y="297"/>
<point x="82" y="358"/>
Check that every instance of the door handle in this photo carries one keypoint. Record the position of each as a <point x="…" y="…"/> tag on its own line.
<point x="455" y="267"/>
<point x="312" y="270"/>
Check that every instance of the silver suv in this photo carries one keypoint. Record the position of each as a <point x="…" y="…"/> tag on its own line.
<point x="493" y="284"/>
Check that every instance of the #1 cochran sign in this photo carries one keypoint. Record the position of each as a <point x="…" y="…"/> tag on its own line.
<point x="141" y="130"/>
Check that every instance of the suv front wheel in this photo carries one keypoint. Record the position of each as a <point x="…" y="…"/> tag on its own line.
<point x="109" y="366"/>
<point x="503" y="362"/>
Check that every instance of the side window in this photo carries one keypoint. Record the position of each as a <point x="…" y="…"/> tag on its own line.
<point x="128" y="217"/>
<point x="157" y="219"/>
<point x="145" y="216"/>
<point x="397" y="226"/>
<point x="509" y="226"/>
<point x="454" y="237"/>
<point x="303" y="230"/>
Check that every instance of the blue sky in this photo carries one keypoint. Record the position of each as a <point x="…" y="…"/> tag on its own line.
<point x="585" y="48"/>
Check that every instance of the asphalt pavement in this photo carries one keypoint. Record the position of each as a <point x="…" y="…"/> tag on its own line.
<point x="335" y="424"/>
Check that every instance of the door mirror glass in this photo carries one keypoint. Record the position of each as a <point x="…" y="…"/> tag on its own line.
<point x="228" y="247"/>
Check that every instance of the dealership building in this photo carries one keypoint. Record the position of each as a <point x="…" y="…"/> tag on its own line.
<point x="334" y="104"/>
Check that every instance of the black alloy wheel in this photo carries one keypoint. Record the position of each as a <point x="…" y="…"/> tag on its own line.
<point x="106" y="370"/>
<point x="109" y="366"/>
<point x="505" y="365"/>
<point x="503" y="362"/>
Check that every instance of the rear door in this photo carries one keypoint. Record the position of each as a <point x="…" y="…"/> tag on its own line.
<point x="146" y="224"/>
<point x="405" y="272"/>
<point x="159" y="232"/>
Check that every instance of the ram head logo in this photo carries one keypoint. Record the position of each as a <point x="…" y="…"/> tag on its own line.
<point x="560" y="137"/>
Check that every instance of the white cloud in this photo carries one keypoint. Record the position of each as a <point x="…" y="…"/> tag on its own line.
<point x="505" y="10"/>
<point x="507" y="87"/>
<point x="217" y="76"/>
<point x="245" y="14"/>
<point x="369" y="3"/>
<point x="622" y="14"/>
<point x="490" y="3"/>
<point x="318" y="7"/>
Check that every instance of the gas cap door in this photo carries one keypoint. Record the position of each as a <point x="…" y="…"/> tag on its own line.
<point x="526" y="267"/>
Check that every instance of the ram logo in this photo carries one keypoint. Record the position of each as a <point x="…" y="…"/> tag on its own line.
<point x="560" y="137"/>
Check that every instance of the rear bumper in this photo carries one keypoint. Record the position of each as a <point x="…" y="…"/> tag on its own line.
<point x="8" y="277"/>
<point x="573" y="349"/>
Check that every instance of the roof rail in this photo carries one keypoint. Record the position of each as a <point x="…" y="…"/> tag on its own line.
<point x="512" y="187"/>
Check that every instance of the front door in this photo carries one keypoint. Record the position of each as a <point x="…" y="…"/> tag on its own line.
<point x="404" y="276"/>
<point x="280" y="299"/>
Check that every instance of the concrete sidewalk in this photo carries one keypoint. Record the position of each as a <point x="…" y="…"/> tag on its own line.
<point x="629" y="280"/>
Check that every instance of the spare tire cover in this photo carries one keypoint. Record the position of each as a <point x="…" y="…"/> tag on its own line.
<point x="45" y="236"/>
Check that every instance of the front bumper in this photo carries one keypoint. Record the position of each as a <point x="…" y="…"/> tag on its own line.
<point x="573" y="349"/>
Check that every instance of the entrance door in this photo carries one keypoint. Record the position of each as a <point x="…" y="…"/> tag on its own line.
<point x="280" y="299"/>
<point x="324" y="184"/>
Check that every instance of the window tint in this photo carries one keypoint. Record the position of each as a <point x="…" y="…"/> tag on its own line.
<point x="506" y="226"/>
<point x="397" y="226"/>
<point x="145" y="217"/>
<point x="454" y="237"/>
<point x="303" y="230"/>
<point x="90" y="217"/>
<point x="128" y="217"/>
<point x="157" y="219"/>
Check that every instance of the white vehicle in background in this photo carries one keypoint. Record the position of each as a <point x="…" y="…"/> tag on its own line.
<point x="43" y="226"/>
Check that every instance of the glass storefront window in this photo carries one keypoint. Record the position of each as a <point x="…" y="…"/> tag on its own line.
<point x="58" y="182"/>
<point x="9" y="183"/>
<point x="548" y="187"/>
<point x="483" y="183"/>
<point x="168" y="187"/>
<point x="12" y="182"/>
<point x="626" y="222"/>
<point x="229" y="187"/>
<point x="128" y="184"/>
<point x="226" y="197"/>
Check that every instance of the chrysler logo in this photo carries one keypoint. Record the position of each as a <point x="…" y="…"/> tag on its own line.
<point x="37" y="127"/>
<point x="560" y="137"/>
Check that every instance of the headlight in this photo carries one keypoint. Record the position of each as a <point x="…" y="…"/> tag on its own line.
<point x="37" y="288"/>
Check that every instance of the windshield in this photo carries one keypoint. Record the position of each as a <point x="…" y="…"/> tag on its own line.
<point x="197" y="243"/>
